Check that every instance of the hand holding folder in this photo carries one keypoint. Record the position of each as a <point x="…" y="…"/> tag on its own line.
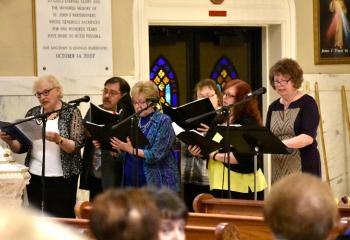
<point x="194" y="138"/>
<point x="105" y="124"/>
<point x="103" y="133"/>
<point x="25" y="132"/>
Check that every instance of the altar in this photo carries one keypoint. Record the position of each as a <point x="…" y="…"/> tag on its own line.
<point x="13" y="179"/>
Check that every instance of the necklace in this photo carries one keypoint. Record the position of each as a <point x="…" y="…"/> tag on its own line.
<point x="145" y="126"/>
<point x="52" y="116"/>
<point x="287" y="103"/>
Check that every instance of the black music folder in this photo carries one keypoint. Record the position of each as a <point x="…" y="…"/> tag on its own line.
<point x="194" y="138"/>
<point x="99" y="115"/>
<point x="25" y="132"/>
<point x="124" y="109"/>
<point x="180" y="114"/>
<point x="252" y="138"/>
<point x="103" y="133"/>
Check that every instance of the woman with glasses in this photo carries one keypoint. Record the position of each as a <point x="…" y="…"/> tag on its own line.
<point x="64" y="139"/>
<point x="241" y="165"/>
<point x="294" y="119"/>
<point x="155" y="164"/>
<point x="194" y="171"/>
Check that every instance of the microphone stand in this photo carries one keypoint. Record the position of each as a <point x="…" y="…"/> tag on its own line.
<point x="43" y="118"/>
<point x="220" y="110"/>
<point x="133" y="128"/>
<point x="225" y="110"/>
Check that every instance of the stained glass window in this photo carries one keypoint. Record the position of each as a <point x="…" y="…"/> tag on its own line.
<point x="223" y="71"/>
<point x="164" y="77"/>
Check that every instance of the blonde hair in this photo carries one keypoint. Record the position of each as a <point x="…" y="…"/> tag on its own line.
<point x="148" y="88"/>
<point x="51" y="80"/>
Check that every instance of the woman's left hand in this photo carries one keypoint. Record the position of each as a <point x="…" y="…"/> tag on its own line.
<point x="53" y="137"/>
<point x="122" y="146"/>
<point x="203" y="128"/>
<point x="195" y="150"/>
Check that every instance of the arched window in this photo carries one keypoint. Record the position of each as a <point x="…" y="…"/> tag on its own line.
<point x="164" y="77"/>
<point x="223" y="71"/>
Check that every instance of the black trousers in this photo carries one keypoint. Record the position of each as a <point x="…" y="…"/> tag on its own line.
<point x="95" y="187"/>
<point x="60" y="195"/>
<point x="191" y="191"/>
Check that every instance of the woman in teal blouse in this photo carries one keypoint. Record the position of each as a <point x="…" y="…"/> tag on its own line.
<point x="156" y="163"/>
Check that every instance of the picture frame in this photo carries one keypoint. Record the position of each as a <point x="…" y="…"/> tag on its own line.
<point x="331" y="31"/>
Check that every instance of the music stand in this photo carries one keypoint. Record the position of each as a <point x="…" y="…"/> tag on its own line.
<point x="253" y="139"/>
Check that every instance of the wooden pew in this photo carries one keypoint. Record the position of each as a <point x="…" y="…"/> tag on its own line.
<point x="221" y="231"/>
<point x="83" y="209"/>
<point x="207" y="203"/>
<point x="250" y="227"/>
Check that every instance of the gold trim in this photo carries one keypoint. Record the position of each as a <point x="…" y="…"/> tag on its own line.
<point x="34" y="39"/>
<point x="345" y="109"/>
<point x="317" y="99"/>
<point x="317" y="56"/>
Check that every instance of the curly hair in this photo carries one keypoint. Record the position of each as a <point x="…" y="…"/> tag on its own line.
<point x="51" y="80"/>
<point x="249" y="108"/>
<point x="287" y="66"/>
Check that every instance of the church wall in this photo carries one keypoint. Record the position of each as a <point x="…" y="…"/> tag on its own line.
<point x="330" y="78"/>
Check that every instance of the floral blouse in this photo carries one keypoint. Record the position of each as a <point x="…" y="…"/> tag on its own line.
<point x="70" y="126"/>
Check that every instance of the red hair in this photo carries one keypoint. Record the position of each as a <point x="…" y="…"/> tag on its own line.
<point x="249" y="108"/>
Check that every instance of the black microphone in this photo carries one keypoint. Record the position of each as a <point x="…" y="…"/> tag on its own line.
<point x="79" y="100"/>
<point x="153" y="99"/>
<point x="257" y="92"/>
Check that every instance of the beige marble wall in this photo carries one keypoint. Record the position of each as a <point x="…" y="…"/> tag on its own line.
<point x="336" y="135"/>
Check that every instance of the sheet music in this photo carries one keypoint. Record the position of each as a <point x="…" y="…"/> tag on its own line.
<point x="31" y="129"/>
<point x="25" y="132"/>
<point x="178" y="129"/>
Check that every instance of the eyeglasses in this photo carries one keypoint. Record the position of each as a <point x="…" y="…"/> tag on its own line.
<point x="139" y="102"/>
<point x="207" y="96"/>
<point x="110" y="93"/>
<point x="282" y="82"/>
<point x="43" y="93"/>
<point x="229" y="95"/>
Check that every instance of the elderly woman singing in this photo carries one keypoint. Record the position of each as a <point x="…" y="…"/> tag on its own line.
<point x="156" y="164"/>
<point x="64" y="139"/>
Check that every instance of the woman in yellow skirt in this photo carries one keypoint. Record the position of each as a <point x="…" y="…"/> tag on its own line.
<point x="241" y="165"/>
